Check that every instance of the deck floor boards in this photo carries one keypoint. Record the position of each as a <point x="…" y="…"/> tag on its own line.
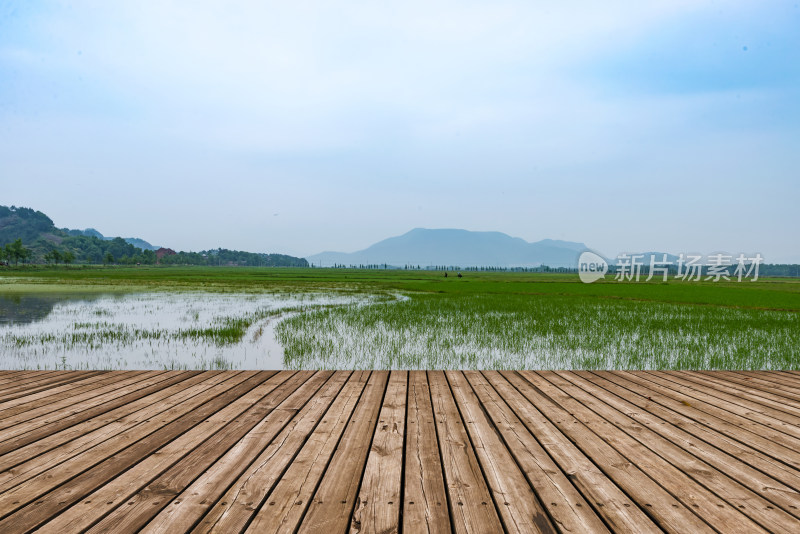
<point x="419" y="451"/>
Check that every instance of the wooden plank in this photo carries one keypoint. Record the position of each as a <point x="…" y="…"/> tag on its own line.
<point x="696" y="497"/>
<point x="787" y="377"/>
<point x="13" y="378"/>
<point x="120" y="431"/>
<point x="233" y="451"/>
<point x="519" y="506"/>
<point x="379" y="500"/>
<point x="79" y="431"/>
<point x="746" y="396"/>
<point x="670" y="513"/>
<point x="424" y="500"/>
<point x="740" y="499"/>
<point x="754" y="384"/>
<point x="789" y="394"/>
<point x="235" y="507"/>
<point x="196" y="499"/>
<point x="58" y="378"/>
<point x="144" y="490"/>
<point x="127" y="396"/>
<point x="108" y="438"/>
<point x="756" y="407"/>
<point x="105" y="461"/>
<point x="787" y="381"/>
<point x="73" y="400"/>
<point x="35" y="380"/>
<point x="65" y="377"/>
<point x="50" y="396"/>
<point x="331" y="509"/>
<point x="103" y="500"/>
<point x="286" y="504"/>
<point x="469" y="500"/>
<point x="780" y="432"/>
<point x="746" y="465"/>
<point x="565" y="505"/>
<point x="8" y="375"/>
<point x="607" y="499"/>
<point x="775" y="378"/>
<point x="718" y="420"/>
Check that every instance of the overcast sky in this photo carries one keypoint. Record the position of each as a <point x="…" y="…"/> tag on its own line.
<point x="299" y="127"/>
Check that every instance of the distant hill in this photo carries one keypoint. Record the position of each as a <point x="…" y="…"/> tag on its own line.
<point x="91" y="232"/>
<point x="462" y="248"/>
<point x="25" y="224"/>
<point x="41" y="237"/>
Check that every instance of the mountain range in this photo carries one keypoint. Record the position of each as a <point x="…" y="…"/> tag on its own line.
<point x="420" y="247"/>
<point x="461" y="248"/>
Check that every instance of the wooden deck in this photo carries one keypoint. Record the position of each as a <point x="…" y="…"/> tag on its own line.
<point x="387" y="452"/>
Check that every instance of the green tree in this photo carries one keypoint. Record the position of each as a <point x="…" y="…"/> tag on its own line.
<point x="68" y="257"/>
<point x="109" y="258"/>
<point x="54" y="256"/>
<point x="16" y="251"/>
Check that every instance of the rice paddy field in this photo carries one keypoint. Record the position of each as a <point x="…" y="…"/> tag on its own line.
<point x="251" y="318"/>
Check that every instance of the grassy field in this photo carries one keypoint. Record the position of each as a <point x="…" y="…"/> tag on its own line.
<point x="488" y="320"/>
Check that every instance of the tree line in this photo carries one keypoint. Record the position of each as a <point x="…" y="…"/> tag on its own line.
<point x="226" y="257"/>
<point x="29" y="236"/>
<point x="119" y="252"/>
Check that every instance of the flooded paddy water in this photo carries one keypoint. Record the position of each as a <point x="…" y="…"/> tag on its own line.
<point x="353" y="329"/>
<point x="156" y="330"/>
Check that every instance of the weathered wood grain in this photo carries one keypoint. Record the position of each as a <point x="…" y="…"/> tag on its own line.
<point x="378" y="451"/>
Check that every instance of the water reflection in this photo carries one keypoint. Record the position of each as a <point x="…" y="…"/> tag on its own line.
<point x="29" y="308"/>
<point x="159" y="330"/>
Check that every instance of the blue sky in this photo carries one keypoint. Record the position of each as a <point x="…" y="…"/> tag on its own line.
<point x="306" y="126"/>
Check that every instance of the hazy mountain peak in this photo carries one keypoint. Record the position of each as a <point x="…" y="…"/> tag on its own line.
<point x="457" y="247"/>
<point x="580" y="247"/>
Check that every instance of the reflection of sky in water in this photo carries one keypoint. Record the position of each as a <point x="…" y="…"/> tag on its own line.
<point x="142" y="331"/>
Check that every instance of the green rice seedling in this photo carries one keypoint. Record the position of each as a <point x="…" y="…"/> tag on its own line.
<point x="554" y="332"/>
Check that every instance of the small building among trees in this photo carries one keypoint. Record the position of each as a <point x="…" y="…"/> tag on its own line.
<point x="160" y="253"/>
